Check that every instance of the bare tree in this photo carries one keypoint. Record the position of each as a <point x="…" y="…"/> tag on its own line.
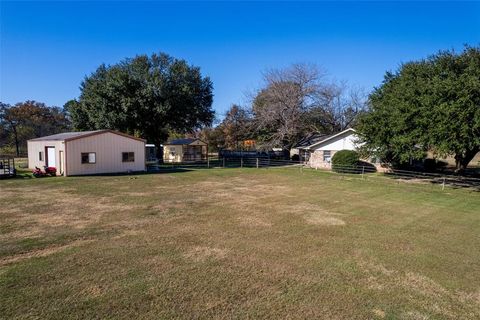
<point x="337" y="108"/>
<point x="298" y="100"/>
<point x="280" y="108"/>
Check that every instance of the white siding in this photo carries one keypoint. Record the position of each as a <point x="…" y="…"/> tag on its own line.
<point x="342" y="142"/>
<point x="34" y="147"/>
<point x="108" y="148"/>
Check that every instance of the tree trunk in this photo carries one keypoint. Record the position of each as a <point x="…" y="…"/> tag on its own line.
<point x="17" y="144"/>
<point x="159" y="149"/>
<point x="463" y="159"/>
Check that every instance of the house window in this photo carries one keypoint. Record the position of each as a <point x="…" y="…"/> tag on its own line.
<point x="88" y="157"/>
<point x="40" y="156"/>
<point x="327" y="156"/>
<point x="172" y="151"/>
<point x="128" y="156"/>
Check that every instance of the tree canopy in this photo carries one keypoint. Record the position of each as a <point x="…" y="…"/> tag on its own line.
<point x="432" y="104"/>
<point x="144" y="96"/>
<point x="27" y="120"/>
<point x="235" y="127"/>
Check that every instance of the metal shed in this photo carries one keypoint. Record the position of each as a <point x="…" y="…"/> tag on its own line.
<point x="88" y="152"/>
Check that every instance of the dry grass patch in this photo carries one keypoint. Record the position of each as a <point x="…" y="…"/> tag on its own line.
<point x="254" y="221"/>
<point x="40" y="214"/>
<point x="202" y="253"/>
<point x="325" y="219"/>
<point x="380" y="278"/>
<point x="315" y="214"/>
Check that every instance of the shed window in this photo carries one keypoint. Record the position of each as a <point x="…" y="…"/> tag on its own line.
<point x="327" y="156"/>
<point x="128" y="156"/>
<point x="40" y="156"/>
<point x="88" y="157"/>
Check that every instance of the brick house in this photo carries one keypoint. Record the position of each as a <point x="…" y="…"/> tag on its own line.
<point x="320" y="153"/>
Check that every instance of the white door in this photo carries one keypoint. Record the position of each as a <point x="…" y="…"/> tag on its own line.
<point x="51" y="161"/>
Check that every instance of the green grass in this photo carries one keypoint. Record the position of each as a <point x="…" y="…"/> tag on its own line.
<point x="237" y="243"/>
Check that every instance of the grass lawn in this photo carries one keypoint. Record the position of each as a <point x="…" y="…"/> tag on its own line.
<point x="237" y="243"/>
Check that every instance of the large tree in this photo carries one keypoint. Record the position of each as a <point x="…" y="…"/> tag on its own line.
<point x="235" y="127"/>
<point x="337" y="108"/>
<point x="298" y="100"/>
<point x="281" y="106"/>
<point x="144" y="96"/>
<point x="27" y="120"/>
<point x="432" y="104"/>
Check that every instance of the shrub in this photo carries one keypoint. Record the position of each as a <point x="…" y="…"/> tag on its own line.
<point x="345" y="161"/>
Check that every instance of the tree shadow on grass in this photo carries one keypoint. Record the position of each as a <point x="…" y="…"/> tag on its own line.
<point x="451" y="181"/>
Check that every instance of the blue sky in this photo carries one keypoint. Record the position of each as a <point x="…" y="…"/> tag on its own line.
<point x="48" y="47"/>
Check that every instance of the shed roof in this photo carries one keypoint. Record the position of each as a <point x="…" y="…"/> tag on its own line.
<point x="66" y="136"/>
<point x="182" y="141"/>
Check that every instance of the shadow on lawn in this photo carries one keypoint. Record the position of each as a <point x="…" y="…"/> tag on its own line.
<point x="452" y="181"/>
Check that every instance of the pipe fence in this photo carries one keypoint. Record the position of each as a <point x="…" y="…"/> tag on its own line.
<point x="362" y="171"/>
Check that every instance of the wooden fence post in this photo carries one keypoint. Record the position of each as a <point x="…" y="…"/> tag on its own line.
<point x="257" y="163"/>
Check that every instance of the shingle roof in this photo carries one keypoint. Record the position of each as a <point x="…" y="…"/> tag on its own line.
<point x="311" y="139"/>
<point x="181" y="141"/>
<point x="326" y="138"/>
<point x="65" y="135"/>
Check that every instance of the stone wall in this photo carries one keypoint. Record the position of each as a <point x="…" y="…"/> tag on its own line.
<point x="316" y="160"/>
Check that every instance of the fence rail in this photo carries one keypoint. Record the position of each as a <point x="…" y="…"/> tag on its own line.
<point x="363" y="172"/>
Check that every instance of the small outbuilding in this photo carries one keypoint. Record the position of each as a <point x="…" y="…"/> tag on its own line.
<point x="185" y="150"/>
<point x="88" y="152"/>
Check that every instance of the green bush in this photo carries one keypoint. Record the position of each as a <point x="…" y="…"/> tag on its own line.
<point x="345" y="161"/>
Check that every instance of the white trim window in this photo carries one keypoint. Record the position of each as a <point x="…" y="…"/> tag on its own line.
<point x="89" y="157"/>
<point x="128" y="156"/>
<point x="327" y="156"/>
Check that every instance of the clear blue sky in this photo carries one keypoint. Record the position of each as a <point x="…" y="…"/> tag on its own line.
<point x="47" y="48"/>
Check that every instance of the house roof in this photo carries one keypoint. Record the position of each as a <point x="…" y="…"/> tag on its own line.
<point x="311" y="139"/>
<point x="182" y="141"/>
<point x="67" y="136"/>
<point x="328" y="138"/>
